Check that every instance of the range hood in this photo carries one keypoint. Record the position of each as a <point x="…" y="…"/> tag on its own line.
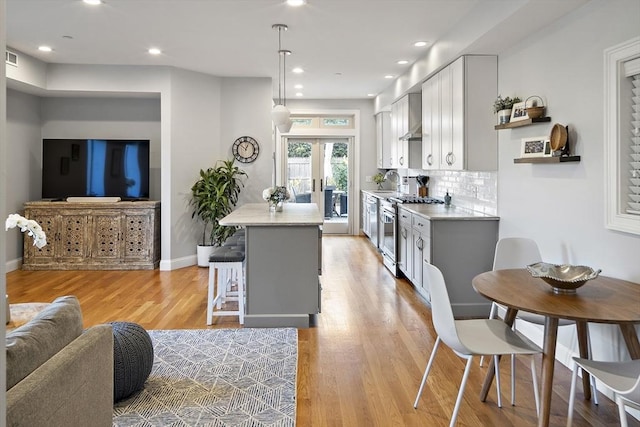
<point x="414" y="133"/>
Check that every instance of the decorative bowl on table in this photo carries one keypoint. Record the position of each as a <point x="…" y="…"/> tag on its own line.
<point x="564" y="278"/>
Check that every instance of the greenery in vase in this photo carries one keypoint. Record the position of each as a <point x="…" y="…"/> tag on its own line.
<point x="276" y="194"/>
<point x="504" y="103"/>
<point x="379" y="179"/>
<point x="214" y="196"/>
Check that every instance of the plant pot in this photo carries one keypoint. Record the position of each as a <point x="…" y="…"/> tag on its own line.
<point x="203" y="253"/>
<point x="504" y="116"/>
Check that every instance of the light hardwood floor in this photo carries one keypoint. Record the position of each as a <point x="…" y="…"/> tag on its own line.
<point x="359" y="365"/>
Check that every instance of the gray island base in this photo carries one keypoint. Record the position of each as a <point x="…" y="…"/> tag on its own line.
<point x="283" y="263"/>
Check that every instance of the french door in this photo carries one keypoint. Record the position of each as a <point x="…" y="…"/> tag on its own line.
<point x="318" y="172"/>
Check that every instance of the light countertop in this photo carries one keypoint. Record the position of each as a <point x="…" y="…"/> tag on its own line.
<point x="441" y="212"/>
<point x="293" y="214"/>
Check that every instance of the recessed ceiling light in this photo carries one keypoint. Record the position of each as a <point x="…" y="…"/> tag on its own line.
<point x="93" y="2"/>
<point x="371" y="94"/>
<point x="299" y="94"/>
<point x="44" y="48"/>
<point x="298" y="87"/>
<point x="403" y="62"/>
<point x="297" y="70"/>
<point x="155" y="51"/>
<point x="296" y="2"/>
<point x="420" y="44"/>
<point x="388" y="76"/>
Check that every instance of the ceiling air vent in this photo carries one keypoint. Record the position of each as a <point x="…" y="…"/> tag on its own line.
<point x="11" y="58"/>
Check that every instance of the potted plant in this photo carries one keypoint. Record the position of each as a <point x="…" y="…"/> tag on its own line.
<point x="502" y="107"/>
<point x="213" y="196"/>
<point x="379" y="179"/>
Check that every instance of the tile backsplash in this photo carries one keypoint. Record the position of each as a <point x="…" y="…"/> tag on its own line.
<point x="470" y="190"/>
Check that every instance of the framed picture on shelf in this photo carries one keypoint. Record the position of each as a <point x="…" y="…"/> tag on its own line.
<point x="536" y="147"/>
<point x="519" y="112"/>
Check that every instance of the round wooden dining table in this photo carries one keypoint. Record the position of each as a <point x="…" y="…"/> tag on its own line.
<point x="601" y="300"/>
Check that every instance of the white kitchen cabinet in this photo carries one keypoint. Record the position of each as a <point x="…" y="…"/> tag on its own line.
<point x="405" y="244"/>
<point x="457" y="117"/>
<point x="431" y="123"/>
<point x="384" y="143"/>
<point x="406" y="116"/>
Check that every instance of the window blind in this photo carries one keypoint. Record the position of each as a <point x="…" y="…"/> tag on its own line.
<point x="632" y="71"/>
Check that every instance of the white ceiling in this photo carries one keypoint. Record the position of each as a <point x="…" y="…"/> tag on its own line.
<point x="345" y="46"/>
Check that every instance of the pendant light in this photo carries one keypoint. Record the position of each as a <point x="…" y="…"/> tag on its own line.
<point x="280" y="113"/>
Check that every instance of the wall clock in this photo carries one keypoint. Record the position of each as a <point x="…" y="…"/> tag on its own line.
<point x="245" y="149"/>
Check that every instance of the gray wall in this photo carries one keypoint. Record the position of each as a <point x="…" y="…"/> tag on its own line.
<point x="180" y="111"/>
<point x="25" y="167"/>
<point x="561" y="206"/>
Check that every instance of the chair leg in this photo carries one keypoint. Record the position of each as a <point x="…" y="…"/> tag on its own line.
<point x="426" y="372"/>
<point x="496" y="363"/>
<point x="513" y="380"/>
<point x="621" y="411"/>
<point x="594" y="389"/>
<point x="212" y="278"/>
<point x="534" y="379"/>
<point x="240" y="274"/>
<point x="572" y="394"/>
<point x="463" y="384"/>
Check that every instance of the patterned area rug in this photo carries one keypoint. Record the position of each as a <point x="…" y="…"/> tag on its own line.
<point x="217" y="377"/>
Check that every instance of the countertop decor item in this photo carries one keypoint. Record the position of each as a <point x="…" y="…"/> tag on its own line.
<point x="535" y="110"/>
<point x="32" y="228"/>
<point x="276" y="197"/>
<point x="379" y="179"/>
<point x="563" y="278"/>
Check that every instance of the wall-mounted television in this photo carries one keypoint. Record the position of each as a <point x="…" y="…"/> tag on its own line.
<point x="95" y="167"/>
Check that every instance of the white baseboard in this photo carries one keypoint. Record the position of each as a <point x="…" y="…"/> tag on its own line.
<point x="174" y="264"/>
<point x="14" y="264"/>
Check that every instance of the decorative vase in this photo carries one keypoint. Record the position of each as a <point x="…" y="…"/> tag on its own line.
<point x="504" y="116"/>
<point x="203" y="254"/>
<point x="380" y="186"/>
<point x="275" y="206"/>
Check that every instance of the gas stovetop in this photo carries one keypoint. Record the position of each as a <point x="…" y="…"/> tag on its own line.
<point x="415" y="199"/>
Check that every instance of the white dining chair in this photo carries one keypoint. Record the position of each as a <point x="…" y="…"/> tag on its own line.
<point x="518" y="252"/>
<point x="623" y="378"/>
<point x="472" y="337"/>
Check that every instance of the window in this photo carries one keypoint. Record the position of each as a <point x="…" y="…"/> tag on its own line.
<point x="322" y="122"/>
<point x="622" y="136"/>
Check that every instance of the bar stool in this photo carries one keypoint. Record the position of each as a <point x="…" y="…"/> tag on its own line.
<point x="229" y="263"/>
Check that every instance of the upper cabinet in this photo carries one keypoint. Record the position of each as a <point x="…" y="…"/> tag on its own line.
<point x="384" y="135"/>
<point x="457" y="118"/>
<point x="406" y="122"/>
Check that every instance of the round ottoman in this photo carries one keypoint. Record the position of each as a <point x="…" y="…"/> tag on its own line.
<point x="132" y="358"/>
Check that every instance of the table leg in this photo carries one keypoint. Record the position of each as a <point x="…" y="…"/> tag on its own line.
<point x="631" y="339"/>
<point x="548" y="359"/>
<point x="583" y="346"/>
<point x="509" y="318"/>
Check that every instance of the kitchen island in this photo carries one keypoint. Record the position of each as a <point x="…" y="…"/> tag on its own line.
<point x="283" y="263"/>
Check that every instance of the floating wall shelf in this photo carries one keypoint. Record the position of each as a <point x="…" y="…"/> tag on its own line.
<point x="547" y="159"/>
<point x="520" y="123"/>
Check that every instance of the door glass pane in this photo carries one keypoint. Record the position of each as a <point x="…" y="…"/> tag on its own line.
<point x="299" y="170"/>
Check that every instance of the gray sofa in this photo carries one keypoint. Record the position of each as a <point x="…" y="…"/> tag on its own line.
<point x="58" y="374"/>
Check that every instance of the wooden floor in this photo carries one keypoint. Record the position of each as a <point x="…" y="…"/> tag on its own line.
<point x="359" y="365"/>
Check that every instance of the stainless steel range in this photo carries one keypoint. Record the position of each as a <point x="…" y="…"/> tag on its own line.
<point x="388" y="216"/>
